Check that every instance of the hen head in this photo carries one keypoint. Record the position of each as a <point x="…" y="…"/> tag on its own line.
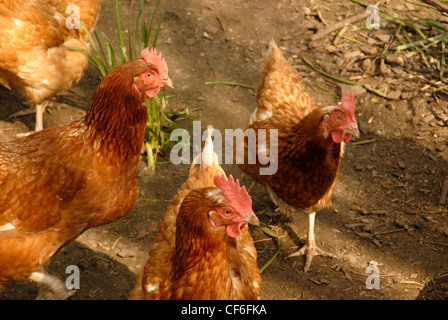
<point x="233" y="206"/>
<point x="340" y="121"/>
<point x="155" y="75"/>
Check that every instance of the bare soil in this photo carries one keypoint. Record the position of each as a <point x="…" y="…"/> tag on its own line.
<point x="386" y="204"/>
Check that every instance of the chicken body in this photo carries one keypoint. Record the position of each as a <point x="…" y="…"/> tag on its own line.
<point x="46" y="201"/>
<point x="191" y="260"/>
<point x="63" y="180"/>
<point x="34" y="36"/>
<point x="308" y="144"/>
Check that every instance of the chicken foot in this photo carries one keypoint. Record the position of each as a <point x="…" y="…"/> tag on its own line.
<point x="310" y="249"/>
<point x="50" y="288"/>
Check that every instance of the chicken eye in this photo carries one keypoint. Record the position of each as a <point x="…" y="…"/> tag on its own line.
<point x="227" y="212"/>
<point x="148" y="75"/>
<point x="338" y="117"/>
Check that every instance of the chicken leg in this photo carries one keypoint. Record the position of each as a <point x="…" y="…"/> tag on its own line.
<point x="310" y="249"/>
<point x="40" y="109"/>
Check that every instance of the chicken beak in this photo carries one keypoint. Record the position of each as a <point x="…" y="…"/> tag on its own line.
<point x="353" y="130"/>
<point x="252" y="219"/>
<point x="167" y="83"/>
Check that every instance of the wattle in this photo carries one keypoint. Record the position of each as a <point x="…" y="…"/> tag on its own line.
<point x="234" y="230"/>
<point x="151" y="93"/>
<point x="339" y="135"/>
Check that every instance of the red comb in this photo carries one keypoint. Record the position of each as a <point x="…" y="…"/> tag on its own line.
<point x="236" y="194"/>
<point x="349" y="102"/>
<point x="151" y="56"/>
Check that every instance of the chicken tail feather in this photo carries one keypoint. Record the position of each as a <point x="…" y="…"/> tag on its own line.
<point x="207" y="157"/>
<point x="274" y="51"/>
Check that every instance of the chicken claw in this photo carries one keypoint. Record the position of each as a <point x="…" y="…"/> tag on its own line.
<point x="310" y="249"/>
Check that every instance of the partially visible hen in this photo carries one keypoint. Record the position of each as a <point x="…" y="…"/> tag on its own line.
<point x="203" y="249"/>
<point x="63" y="180"/>
<point x="34" y="37"/>
<point x="308" y="147"/>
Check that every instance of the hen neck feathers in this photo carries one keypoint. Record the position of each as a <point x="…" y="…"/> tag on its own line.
<point x="308" y="137"/>
<point x="116" y="118"/>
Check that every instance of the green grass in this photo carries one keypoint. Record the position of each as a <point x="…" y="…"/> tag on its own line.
<point x="271" y="234"/>
<point x="105" y="57"/>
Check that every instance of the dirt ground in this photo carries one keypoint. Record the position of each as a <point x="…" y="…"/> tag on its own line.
<point x="386" y="204"/>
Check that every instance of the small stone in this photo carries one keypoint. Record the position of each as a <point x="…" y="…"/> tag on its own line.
<point x="359" y="210"/>
<point x="394" y="95"/>
<point x="402" y="222"/>
<point x="331" y="48"/>
<point x="366" y="64"/>
<point x="406" y="95"/>
<point x="365" y="235"/>
<point x="370" y="50"/>
<point x="384" y="69"/>
<point x="395" y="60"/>
<point x="210" y="29"/>
<point x="377" y="243"/>
<point x="382" y="37"/>
<point x="353" y="54"/>
<point x="127" y="252"/>
<point x="306" y="10"/>
<point x="399" y="71"/>
<point x="428" y="118"/>
<point x="372" y="41"/>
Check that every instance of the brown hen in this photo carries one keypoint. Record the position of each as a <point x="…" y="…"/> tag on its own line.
<point x="303" y="143"/>
<point x="63" y="180"/>
<point x="35" y="36"/>
<point x="203" y="249"/>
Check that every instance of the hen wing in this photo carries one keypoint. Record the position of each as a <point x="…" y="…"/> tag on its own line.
<point x="42" y="182"/>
